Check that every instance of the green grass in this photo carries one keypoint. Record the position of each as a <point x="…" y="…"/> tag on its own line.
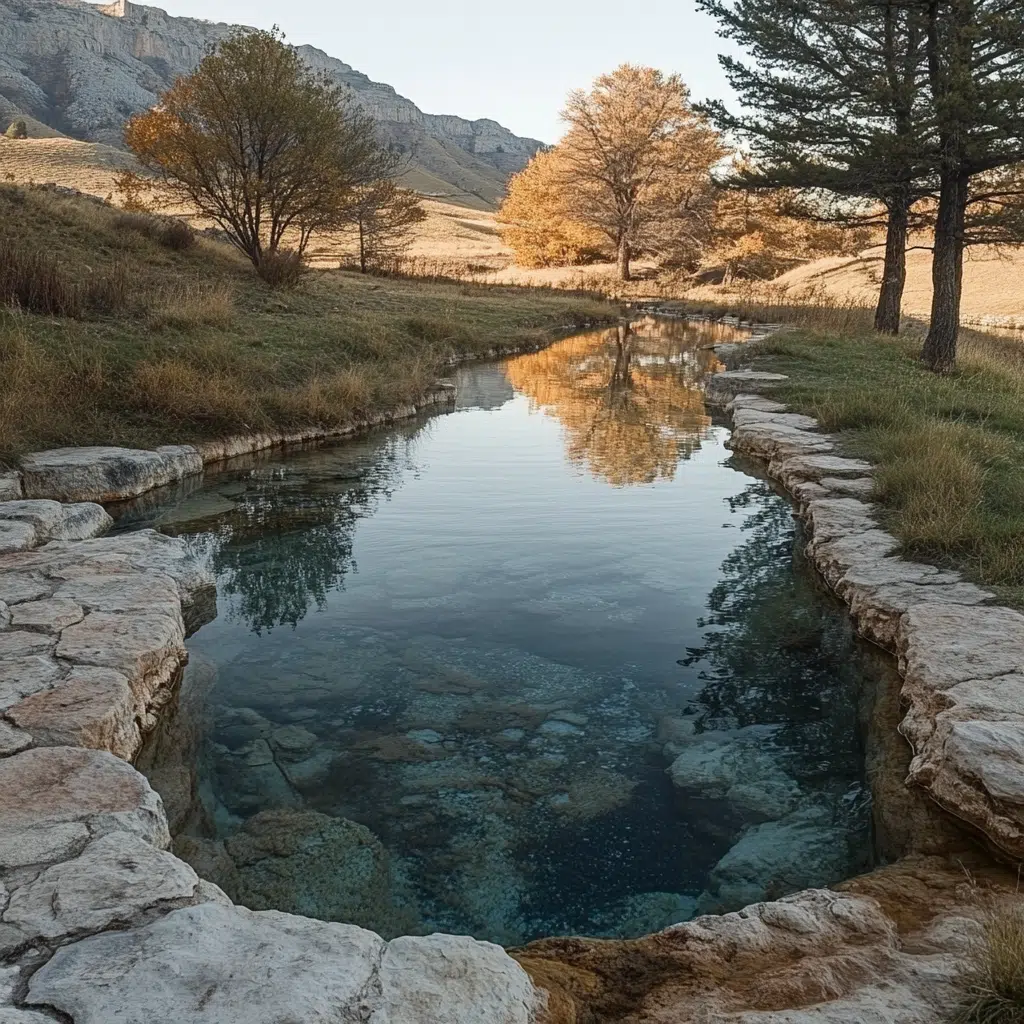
<point x="199" y="347"/>
<point x="949" y="450"/>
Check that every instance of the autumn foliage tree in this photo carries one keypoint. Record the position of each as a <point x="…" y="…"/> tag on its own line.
<point x="537" y="219"/>
<point x="259" y="143"/>
<point x="632" y="170"/>
<point x="757" y="236"/>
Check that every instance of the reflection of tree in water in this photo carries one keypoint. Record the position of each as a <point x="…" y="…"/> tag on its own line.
<point x="288" y="543"/>
<point x="628" y="398"/>
<point x="778" y="652"/>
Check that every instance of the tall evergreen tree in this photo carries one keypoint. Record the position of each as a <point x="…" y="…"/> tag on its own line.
<point x="836" y="97"/>
<point x="975" y="62"/>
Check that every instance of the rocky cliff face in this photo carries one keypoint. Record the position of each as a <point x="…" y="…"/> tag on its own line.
<point x="84" y="69"/>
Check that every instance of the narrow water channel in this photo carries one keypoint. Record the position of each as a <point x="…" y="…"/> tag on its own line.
<point x="547" y="664"/>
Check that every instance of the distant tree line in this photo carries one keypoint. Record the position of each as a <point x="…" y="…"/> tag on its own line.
<point x="854" y="115"/>
<point x="636" y="176"/>
<point x="274" y="154"/>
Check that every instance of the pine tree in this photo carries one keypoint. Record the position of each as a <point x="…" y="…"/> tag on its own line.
<point x="838" y="106"/>
<point x="975" y="63"/>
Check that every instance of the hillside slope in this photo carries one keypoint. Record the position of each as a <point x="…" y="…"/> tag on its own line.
<point x="81" y="70"/>
<point x="993" y="292"/>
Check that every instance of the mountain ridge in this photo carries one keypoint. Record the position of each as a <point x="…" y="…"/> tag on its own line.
<point x="82" y="69"/>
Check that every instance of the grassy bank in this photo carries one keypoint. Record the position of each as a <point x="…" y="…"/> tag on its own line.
<point x="168" y="341"/>
<point x="949" y="450"/>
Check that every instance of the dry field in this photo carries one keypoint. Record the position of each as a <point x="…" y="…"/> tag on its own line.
<point x="463" y="242"/>
<point x="993" y="283"/>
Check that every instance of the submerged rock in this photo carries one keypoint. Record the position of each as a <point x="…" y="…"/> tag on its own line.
<point x="804" y="850"/>
<point x="304" y="862"/>
<point x="735" y="768"/>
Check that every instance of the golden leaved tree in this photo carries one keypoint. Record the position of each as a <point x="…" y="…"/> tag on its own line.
<point x="633" y="170"/>
<point x="756" y="236"/>
<point x="631" y="404"/>
<point x="259" y="143"/>
<point x="536" y="219"/>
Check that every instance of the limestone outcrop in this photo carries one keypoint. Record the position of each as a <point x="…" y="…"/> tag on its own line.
<point x="83" y="70"/>
<point x="962" y="660"/>
<point x="98" y="473"/>
<point x="95" y="638"/>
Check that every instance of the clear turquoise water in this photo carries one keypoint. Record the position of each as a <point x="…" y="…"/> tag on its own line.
<point x="486" y="635"/>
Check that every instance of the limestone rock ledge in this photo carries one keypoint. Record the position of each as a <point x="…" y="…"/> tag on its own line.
<point x="107" y="474"/>
<point x="961" y="658"/>
<point x="92" y="639"/>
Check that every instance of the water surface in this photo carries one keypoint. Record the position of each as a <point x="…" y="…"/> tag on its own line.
<point x="487" y="635"/>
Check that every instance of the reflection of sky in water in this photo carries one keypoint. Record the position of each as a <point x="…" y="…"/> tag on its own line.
<point x="496" y="629"/>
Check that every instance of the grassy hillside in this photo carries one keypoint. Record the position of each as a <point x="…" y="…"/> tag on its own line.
<point x="949" y="450"/>
<point x="175" y="345"/>
<point x="993" y="282"/>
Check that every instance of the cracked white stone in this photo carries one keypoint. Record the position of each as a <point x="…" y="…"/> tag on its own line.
<point x="758" y="402"/>
<point x="52" y="520"/>
<point x="101" y="474"/>
<point x="148" y="649"/>
<point x="50" y="615"/>
<point x="91" y="707"/>
<point x="48" y="786"/>
<point x="148" y="593"/>
<point x="795" y="468"/>
<point x="212" y="964"/>
<point x="747" y="417"/>
<point x="16" y="587"/>
<point x="10" y="486"/>
<point x="114" y="878"/>
<point x="20" y="677"/>
<point x="12" y="740"/>
<point x="15" y="536"/>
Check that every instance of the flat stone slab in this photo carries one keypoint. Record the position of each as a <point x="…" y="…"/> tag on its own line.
<point x="54" y="786"/>
<point x="212" y="964"/>
<point x="17" y="536"/>
<point x="103" y="474"/>
<point x="112" y="880"/>
<point x="10" y="486"/>
<point x="52" y="520"/>
<point x="50" y="615"/>
<point x="91" y="707"/>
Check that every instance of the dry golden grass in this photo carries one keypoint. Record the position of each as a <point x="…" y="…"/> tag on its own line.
<point x="992" y="977"/>
<point x="192" y="305"/>
<point x="178" y="345"/>
<point x="993" y="291"/>
<point x="87" y="166"/>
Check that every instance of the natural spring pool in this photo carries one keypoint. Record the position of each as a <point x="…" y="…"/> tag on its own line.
<point x="550" y="663"/>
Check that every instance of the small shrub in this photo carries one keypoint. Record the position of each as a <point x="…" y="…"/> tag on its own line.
<point x="133" y="191"/>
<point x="281" y="268"/>
<point x="169" y="232"/>
<point x="17" y="130"/>
<point x="993" y="976"/>
<point x="177" y="234"/>
<point x="34" y="281"/>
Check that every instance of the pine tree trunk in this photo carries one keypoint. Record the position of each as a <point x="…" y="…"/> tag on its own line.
<point x="939" y="352"/>
<point x="894" y="273"/>
<point x="623" y="260"/>
<point x="362" y="248"/>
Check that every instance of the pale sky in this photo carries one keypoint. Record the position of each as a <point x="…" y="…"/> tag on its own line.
<point x="510" y="61"/>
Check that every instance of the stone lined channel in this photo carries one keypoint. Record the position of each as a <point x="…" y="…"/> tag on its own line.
<point x="549" y="664"/>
